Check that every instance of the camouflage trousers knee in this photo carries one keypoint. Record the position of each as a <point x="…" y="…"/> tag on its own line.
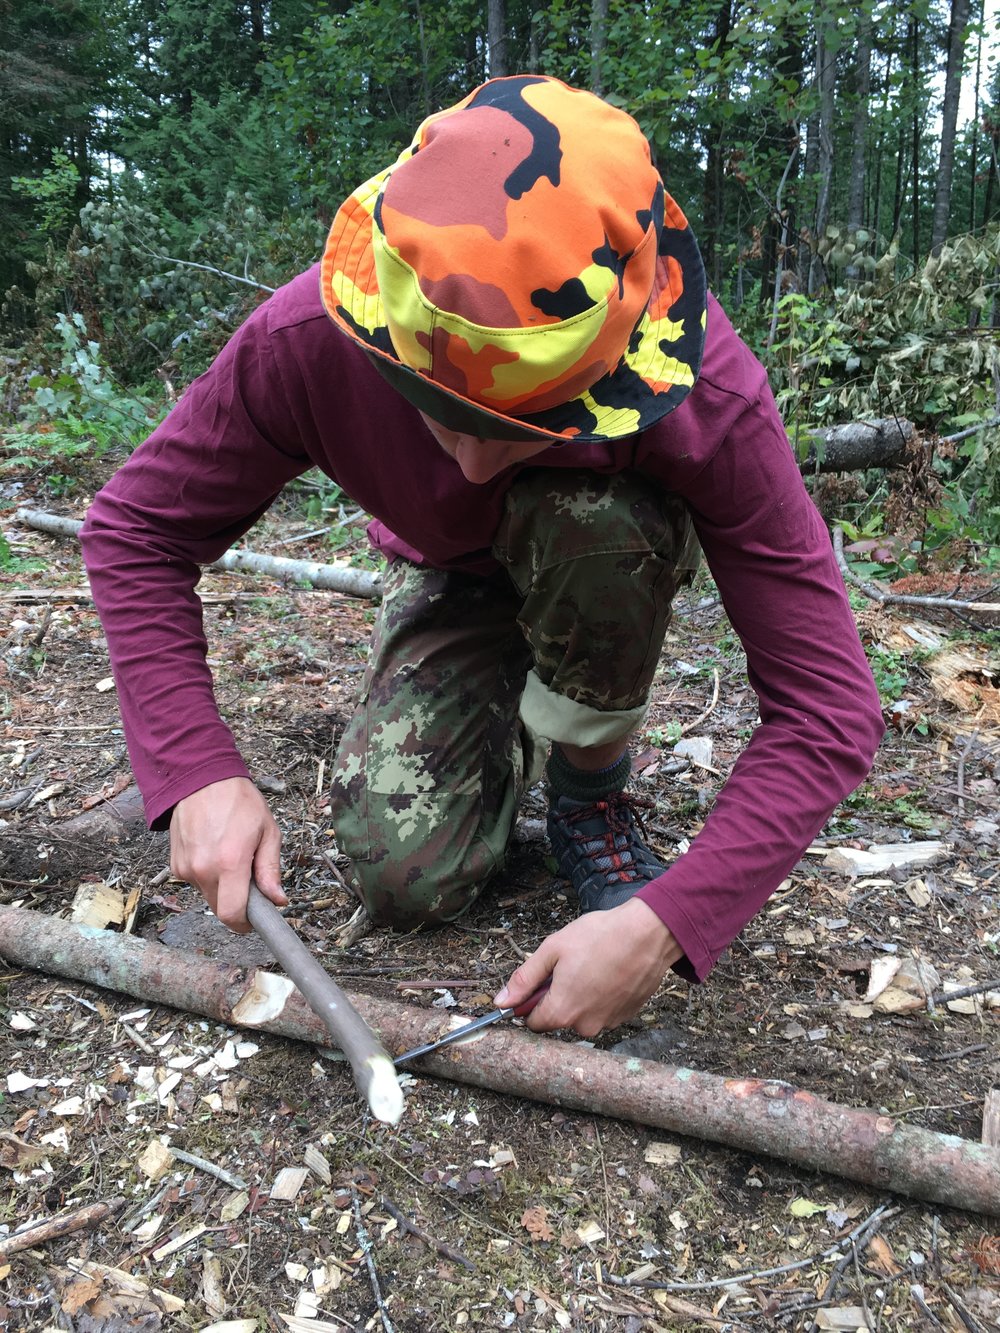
<point x="470" y="677"/>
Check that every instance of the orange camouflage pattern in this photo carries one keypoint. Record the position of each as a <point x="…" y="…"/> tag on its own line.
<point x="521" y="271"/>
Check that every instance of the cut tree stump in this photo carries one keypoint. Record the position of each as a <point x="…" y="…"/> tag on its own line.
<point x="752" y="1115"/>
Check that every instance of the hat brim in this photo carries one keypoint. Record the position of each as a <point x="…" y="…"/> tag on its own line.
<point x="654" y="376"/>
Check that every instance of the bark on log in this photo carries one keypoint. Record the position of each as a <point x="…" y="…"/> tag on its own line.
<point x="856" y="446"/>
<point x="117" y="819"/>
<point x="331" y="578"/>
<point x="81" y="1219"/>
<point x="753" y="1115"/>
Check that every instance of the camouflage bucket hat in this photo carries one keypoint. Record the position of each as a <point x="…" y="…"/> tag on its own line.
<point x="520" y="272"/>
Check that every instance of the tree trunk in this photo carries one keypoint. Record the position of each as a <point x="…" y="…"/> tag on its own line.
<point x="806" y="250"/>
<point x="713" y="197"/>
<point x="859" y="138"/>
<point x="598" y="38"/>
<point x="991" y="179"/>
<point x="915" y="81"/>
<point x="496" y="19"/>
<point x="826" y="74"/>
<point x="974" y="151"/>
<point x="957" y="31"/>
<point x="751" y="1114"/>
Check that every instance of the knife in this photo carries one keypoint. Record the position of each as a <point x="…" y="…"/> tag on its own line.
<point x="494" y="1016"/>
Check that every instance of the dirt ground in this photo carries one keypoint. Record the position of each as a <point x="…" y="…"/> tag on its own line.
<point x="481" y="1209"/>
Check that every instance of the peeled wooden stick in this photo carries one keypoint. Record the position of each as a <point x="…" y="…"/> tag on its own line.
<point x="336" y="578"/>
<point x="753" y="1115"/>
<point x="374" y="1072"/>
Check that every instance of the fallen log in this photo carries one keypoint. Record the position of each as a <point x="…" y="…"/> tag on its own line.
<point x="117" y="819"/>
<point x="856" y="446"/>
<point x="753" y="1115"/>
<point x="331" y="578"/>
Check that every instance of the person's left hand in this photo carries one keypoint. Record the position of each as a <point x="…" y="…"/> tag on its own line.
<point x="604" y="966"/>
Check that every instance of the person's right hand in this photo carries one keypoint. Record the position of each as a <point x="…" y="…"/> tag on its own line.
<point x="220" y="836"/>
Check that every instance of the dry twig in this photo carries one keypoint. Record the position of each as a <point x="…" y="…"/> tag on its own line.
<point x="365" y="1245"/>
<point x="981" y="988"/>
<point x="711" y="705"/>
<point x="431" y="1242"/>
<point x="81" y="1219"/>
<point x="210" y="1169"/>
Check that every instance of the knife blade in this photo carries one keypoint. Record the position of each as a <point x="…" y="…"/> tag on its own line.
<point x="474" y="1025"/>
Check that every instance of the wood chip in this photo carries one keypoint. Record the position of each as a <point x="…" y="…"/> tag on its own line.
<point x="234" y="1207"/>
<point x="98" y="905"/>
<point x="288" y="1182"/>
<point x="179" y="1242"/>
<point x="881" y="857"/>
<point x="299" y="1325"/>
<point x="46" y="793"/>
<point x="589" y="1233"/>
<point x="317" y="1163"/>
<point x="127" y="1284"/>
<point x="843" y="1317"/>
<point x="662" y="1154"/>
<point x="19" y="1082"/>
<point x="156" y="1160"/>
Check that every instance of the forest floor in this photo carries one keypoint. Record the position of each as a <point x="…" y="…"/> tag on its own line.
<point x="526" y="1216"/>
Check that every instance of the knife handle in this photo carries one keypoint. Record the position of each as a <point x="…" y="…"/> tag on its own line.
<point x="525" y="1007"/>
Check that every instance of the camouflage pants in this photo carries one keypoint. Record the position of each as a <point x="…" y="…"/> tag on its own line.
<point x="470" y="677"/>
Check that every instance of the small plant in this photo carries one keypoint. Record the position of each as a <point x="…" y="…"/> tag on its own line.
<point x="79" y="390"/>
<point x="664" y="737"/>
<point x="13" y="564"/>
<point x="890" y="672"/>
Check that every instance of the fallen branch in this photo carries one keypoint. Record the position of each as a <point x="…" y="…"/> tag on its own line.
<point x="878" y="594"/>
<point x="82" y="1219"/>
<point x="117" y="819"/>
<point x="752" y="1115"/>
<point x="331" y="578"/>
<point x="856" y="446"/>
<point x="210" y="268"/>
<point x="972" y="430"/>
<point x="881" y="1214"/>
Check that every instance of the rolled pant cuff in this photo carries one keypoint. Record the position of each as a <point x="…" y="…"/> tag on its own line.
<point x="560" y="719"/>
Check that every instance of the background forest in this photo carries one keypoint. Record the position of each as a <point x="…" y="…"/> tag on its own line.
<point x="162" y="162"/>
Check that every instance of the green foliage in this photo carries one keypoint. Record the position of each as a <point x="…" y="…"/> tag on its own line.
<point x="664" y="737"/>
<point x="53" y="195"/>
<point x="889" y="671"/>
<point x="895" y="809"/>
<point x="79" y="390"/>
<point x="908" y="347"/>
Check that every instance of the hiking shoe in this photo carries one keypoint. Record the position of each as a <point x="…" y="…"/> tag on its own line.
<point x="599" y="848"/>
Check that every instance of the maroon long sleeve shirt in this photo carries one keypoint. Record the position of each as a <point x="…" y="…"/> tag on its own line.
<point x="289" y="392"/>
